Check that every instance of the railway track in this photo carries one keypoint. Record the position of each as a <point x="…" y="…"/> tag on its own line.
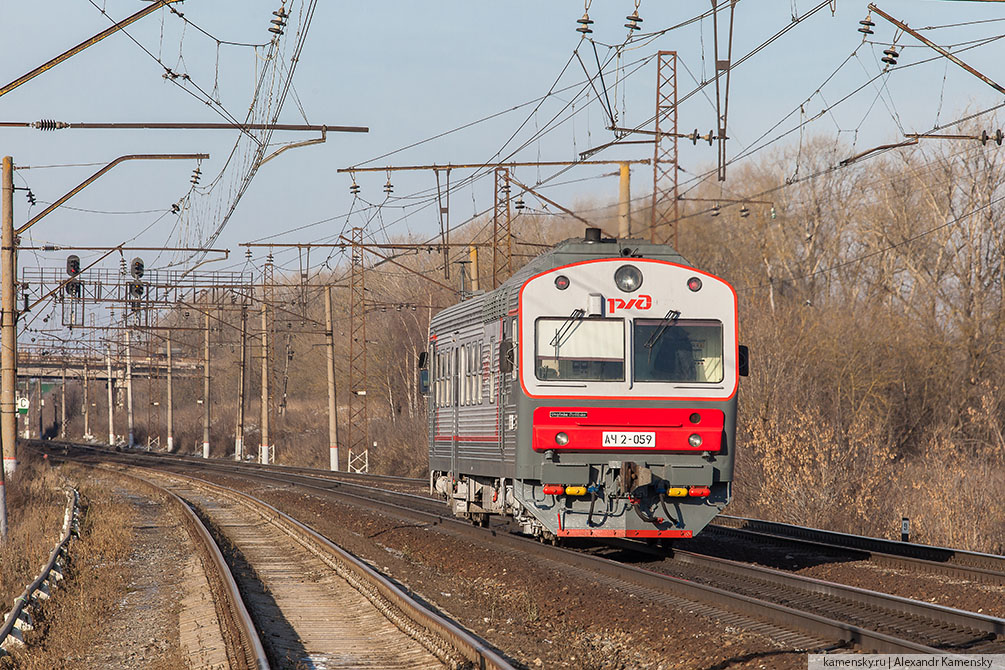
<point x="796" y="610"/>
<point x="969" y="565"/>
<point x="314" y="604"/>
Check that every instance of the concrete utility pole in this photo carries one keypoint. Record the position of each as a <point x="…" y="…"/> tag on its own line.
<point x="239" y="430"/>
<point x="473" y="256"/>
<point x="8" y="363"/>
<point x="111" y="401"/>
<point x="625" y="203"/>
<point x="332" y="397"/>
<point x="205" y="391"/>
<point x="170" y="398"/>
<point x="38" y="405"/>
<point x="87" y="402"/>
<point x="263" y="454"/>
<point x="62" y="406"/>
<point x="129" y="392"/>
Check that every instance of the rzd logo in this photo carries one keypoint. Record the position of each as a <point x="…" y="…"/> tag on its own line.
<point x="641" y="302"/>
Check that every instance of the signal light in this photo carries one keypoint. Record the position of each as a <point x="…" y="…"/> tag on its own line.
<point x="136" y="268"/>
<point x="73" y="265"/>
<point x="71" y="288"/>
<point x="553" y="490"/>
<point x="699" y="491"/>
<point x="135" y="290"/>
<point x="561" y="282"/>
<point x="575" y="490"/>
<point x="694" y="440"/>
<point x="694" y="283"/>
<point x="562" y="439"/>
<point x="677" y="492"/>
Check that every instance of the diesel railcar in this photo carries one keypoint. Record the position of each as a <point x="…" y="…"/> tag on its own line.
<point x="593" y="394"/>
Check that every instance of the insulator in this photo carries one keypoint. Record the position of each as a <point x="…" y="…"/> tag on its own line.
<point x="247" y="254"/>
<point x="196" y="176"/>
<point x="584" y="24"/>
<point x="715" y="210"/>
<point x="633" y="21"/>
<point x="866" y="26"/>
<point x="281" y="13"/>
<point x="890" y="56"/>
<point x="49" y="124"/>
<point x="32" y="201"/>
<point x="999" y="136"/>
<point x="277" y="31"/>
<point x="773" y="213"/>
<point x="505" y="188"/>
<point x="694" y="137"/>
<point x="744" y="211"/>
<point x="388" y="187"/>
<point x="519" y="204"/>
<point x="354" y="188"/>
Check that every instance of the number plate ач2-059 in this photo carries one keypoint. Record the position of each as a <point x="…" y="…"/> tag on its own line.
<point x="621" y="439"/>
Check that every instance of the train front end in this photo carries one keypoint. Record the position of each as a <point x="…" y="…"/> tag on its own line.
<point x="626" y="415"/>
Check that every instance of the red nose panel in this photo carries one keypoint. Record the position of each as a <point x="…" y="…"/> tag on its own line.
<point x="628" y="429"/>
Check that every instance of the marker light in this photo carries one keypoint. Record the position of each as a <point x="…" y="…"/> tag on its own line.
<point x="694" y="283"/>
<point x="628" y="278"/>
<point x="695" y="418"/>
<point x="561" y="439"/>
<point x="694" y="440"/>
<point x="677" y="492"/>
<point x="575" y="490"/>
<point x="699" y="491"/>
<point x="553" y="490"/>
<point x="561" y="282"/>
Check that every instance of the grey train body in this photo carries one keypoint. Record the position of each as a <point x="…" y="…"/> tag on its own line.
<point x="533" y="415"/>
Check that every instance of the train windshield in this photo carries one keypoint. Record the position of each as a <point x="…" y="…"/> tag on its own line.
<point x="577" y="348"/>
<point x="677" y="350"/>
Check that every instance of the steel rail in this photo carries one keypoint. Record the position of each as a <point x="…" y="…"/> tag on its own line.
<point x="467" y="645"/>
<point x="974" y="621"/>
<point x="248" y="633"/>
<point x="976" y="566"/>
<point x="755" y="608"/>
<point x="781" y="615"/>
<point x="760" y="610"/>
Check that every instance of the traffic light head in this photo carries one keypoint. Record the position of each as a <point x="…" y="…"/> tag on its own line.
<point x="136" y="290"/>
<point x="73" y="265"/>
<point x="136" y="268"/>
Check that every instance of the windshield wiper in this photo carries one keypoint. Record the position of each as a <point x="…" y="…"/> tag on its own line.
<point x="669" y="320"/>
<point x="576" y="315"/>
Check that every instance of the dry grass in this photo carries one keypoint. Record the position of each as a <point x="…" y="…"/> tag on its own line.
<point x="35" y="505"/>
<point x="95" y="583"/>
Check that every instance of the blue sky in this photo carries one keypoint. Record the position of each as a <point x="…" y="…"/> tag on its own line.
<point x="414" y="70"/>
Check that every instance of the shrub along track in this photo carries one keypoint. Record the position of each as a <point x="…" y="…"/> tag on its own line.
<point x="783" y="605"/>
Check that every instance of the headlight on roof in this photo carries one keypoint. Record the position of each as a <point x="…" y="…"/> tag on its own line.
<point x="628" y="278"/>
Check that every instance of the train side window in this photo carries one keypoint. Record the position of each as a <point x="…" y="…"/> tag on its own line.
<point x="478" y="373"/>
<point x="472" y="369"/>
<point x="466" y="359"/>
<point x="516" y="348"/>
<point x="439" y="379"/>
<point x="462" y="378"/>
<point x="492" y="370"/>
